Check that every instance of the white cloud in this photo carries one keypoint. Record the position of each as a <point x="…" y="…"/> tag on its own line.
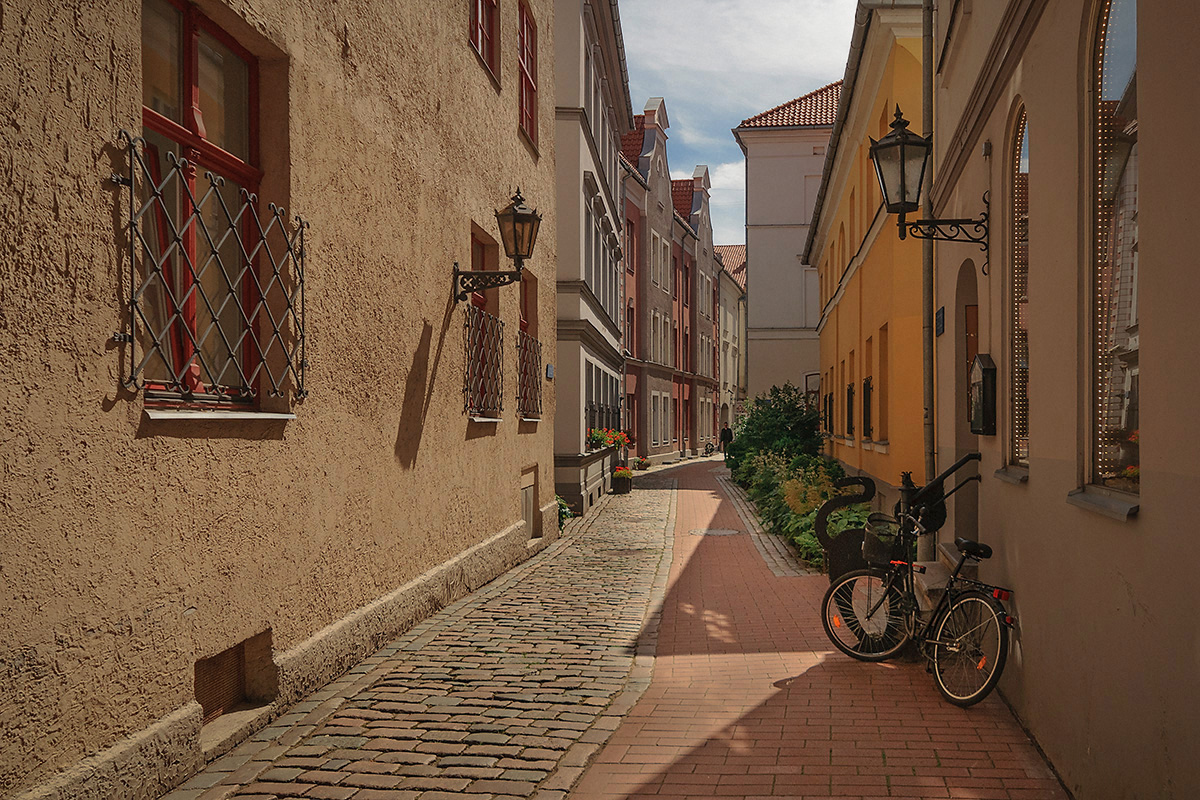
<point x="717" y="62"/>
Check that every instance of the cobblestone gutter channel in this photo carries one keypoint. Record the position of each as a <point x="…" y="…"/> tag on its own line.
<point x="508" y="692"/>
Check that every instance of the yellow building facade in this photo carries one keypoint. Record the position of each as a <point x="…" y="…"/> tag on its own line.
<point x="870" y="280"/>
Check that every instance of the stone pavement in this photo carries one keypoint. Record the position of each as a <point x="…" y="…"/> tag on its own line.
<point x="667" y="642"/>
<point x="505" y="693"/>
<point x="749" y="699"/>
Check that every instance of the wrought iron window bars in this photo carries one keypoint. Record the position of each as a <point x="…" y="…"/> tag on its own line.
<point x="217" y="318"/>
<point x="529" y="376"/>
<point x="484" y="380"/>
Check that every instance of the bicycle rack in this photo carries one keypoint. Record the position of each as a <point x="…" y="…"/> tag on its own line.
<point x="843" y="552"/>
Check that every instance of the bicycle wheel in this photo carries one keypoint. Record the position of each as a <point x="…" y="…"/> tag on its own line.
<point x="969" y="648"/>
<point x="861" y="619"/>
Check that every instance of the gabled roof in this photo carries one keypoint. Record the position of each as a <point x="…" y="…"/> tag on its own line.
<point x="818" y="107"/>
<point x="681" y="197"/>
<point x="631" y="143"/>
<point x="734" y="258"/>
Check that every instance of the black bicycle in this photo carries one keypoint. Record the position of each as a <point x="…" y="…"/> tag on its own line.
<point x="872" y="614"/>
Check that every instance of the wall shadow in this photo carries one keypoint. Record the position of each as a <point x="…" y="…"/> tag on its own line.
<point x="418" y="390"/>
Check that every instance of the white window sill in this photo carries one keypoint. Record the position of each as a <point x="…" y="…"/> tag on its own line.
<point x="485" y="419"/>
<point x="212" y="416"/>
<point x="531" y="419"/>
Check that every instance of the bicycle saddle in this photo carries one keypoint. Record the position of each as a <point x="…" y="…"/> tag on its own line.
<point x="973" y="549"/>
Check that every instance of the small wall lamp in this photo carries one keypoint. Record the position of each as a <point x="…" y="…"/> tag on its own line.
<point x="518" y="231"/>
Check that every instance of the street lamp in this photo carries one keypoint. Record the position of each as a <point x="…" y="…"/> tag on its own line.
<point x="518" y="231"/>
<point x="900" y="160"/>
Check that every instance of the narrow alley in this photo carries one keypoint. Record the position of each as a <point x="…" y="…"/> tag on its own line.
<point x="663" y="647"/>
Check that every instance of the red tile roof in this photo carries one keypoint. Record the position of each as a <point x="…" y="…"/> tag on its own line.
<point x="631" y="143"/>
<point x="818" y="107"/>
<point x="734" y="258"/>
<point x="681" y="197"/>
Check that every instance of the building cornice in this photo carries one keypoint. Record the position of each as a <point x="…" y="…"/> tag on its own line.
<point x="1008" y="46"/>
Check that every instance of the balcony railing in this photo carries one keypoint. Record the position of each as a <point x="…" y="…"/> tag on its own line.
<point x="529" y="376"/>
<point x="216" y="285"/>
<point x="483" y="385"/>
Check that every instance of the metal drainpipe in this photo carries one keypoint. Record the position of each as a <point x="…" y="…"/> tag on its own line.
<point x="926" y="545"/>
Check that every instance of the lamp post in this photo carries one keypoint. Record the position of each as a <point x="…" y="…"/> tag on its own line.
<point x="518" y="231"/>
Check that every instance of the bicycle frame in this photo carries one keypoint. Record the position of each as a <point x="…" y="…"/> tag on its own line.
<point x="900" y="574"/>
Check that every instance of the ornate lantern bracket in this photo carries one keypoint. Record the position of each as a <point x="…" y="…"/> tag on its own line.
<point x="973" y="231"/>
<point x="468" y="281"/>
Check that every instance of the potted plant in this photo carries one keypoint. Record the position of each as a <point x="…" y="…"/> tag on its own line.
<point x="596" y="439"/>
<point x="622" y="480"/>
<point x="642" y="463"/>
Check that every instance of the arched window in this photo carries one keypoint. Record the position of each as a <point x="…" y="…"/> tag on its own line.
<point x="1115" y="343"/>
<point x="1019" y="294"/>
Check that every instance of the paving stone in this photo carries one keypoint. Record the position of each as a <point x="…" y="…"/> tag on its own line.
<point x="516" y="671"/>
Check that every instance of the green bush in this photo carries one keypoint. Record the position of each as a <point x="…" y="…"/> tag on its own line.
<point x="779" y="421"/>
<point x="564" y="512"/>
<point x="776" y="456"/>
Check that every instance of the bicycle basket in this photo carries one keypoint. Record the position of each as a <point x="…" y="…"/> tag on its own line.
<point x="881" y="541"/>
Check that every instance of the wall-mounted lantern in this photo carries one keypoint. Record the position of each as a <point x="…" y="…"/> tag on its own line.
<point x="981" y="397"/>
<point x="518" y="231"/>
<point x="900" y="160"/>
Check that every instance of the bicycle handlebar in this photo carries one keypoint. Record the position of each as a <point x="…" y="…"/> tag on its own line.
<point x="955" y="467"/>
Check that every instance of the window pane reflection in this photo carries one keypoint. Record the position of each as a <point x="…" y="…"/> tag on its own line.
<point x="1116" y="345"/>
<point x="224" y="97"/>
<point x="162" y="74"/>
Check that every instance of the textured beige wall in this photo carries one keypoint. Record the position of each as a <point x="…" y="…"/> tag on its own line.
<point x="132" y="548"/>
<point x="1104" y="657"/>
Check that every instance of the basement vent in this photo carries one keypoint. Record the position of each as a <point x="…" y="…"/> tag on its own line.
<point x="236" y="678"/>
<point x="221" y="682"/>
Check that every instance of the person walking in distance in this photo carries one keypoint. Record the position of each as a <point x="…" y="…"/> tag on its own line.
<point x="726" y="438"/>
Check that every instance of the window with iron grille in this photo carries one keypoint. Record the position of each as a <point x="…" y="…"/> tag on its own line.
<point x="850" y="409"/>
<point x="866" y="408"/>
<point x="529" y="374"/>
<point x="484" y="384"/>
<point x="484" y="34"/>
<point x="527" y="64"/>
<point x="216" y="303"/>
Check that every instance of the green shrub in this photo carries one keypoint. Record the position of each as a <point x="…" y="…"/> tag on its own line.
<point x="564" y="512"/>
<point x="779" y="421"/>
<point x="776" y="456"/>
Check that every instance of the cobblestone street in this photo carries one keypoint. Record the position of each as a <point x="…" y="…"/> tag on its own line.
<point x="664" y="646"/>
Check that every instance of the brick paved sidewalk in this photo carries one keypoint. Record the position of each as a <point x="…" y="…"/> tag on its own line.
<point x="748" y="698"/>
<point x="505" y="693"/>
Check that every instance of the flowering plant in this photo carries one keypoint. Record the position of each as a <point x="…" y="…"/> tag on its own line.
<point x="622" y="472"/>
<point x="642" y="463"/>
<point x="607" y="437"/>
<point x="1133" y="437"/>
<point x="1134" y="472"/>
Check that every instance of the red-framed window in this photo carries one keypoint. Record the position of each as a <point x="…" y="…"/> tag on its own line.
<point x="527" y="64"/>
<point x="200" y="104"/>
<point x="484" y="32"/>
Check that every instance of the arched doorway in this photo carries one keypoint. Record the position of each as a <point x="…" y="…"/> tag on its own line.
<point x="965" y="504"/>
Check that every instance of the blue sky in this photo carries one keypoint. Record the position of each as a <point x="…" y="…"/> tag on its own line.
<point x="717" y="62"/>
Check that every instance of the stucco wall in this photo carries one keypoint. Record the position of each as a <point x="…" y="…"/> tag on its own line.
<point x="133" y="548"/>
<point x="1103" y="660"/>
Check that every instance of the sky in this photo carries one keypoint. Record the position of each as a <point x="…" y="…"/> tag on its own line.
<point x="718" y="62"/>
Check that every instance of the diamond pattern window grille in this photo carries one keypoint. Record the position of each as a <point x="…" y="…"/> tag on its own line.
<point x="216" y="287"/>
<point x="484" y="384"/>
<point x="529" y="376"/>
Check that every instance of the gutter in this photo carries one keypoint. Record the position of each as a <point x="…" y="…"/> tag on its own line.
<point x="862" y="25"/>
<point x="616" y="17"/>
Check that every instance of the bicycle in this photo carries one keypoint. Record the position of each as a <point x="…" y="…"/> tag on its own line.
<point x="872" y="614"/>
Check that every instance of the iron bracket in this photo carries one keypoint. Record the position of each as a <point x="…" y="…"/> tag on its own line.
<point x="974" y="231"/>
<point x="467" y="281"/>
